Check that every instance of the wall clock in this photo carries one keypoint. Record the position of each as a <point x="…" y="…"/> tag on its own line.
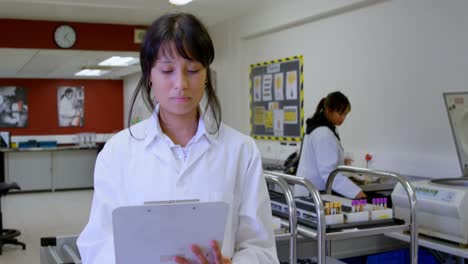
<point x="65" y="36"/>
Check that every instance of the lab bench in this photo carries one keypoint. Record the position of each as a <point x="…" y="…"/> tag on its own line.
<point x="49" y="169"/>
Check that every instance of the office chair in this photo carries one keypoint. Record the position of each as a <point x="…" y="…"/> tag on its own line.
<point x="7" y="236"/>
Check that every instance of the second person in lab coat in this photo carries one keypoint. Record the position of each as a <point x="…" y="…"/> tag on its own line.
<point x="322" y="151"/>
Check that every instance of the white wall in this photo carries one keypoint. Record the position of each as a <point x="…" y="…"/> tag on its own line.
<point x="140" y="111"/>
<point x="393" y="59"/>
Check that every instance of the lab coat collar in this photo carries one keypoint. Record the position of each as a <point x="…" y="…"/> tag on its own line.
<point x="154" y="131"/>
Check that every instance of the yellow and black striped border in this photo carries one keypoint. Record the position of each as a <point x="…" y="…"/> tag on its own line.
<point x="301" y="110"/>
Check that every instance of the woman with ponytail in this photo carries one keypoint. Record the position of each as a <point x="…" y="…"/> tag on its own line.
<point x="322" y="151"/>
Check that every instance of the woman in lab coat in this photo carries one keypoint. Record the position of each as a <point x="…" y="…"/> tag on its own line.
<point x="322" y="151"/>
<point x="181" y="152"/>
<point x="67" y="110"/>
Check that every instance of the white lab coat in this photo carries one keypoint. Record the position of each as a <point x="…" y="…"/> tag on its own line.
<point x="220" y="167"/>
<point x="66" y="111"/>
<point x="321" y="154"/>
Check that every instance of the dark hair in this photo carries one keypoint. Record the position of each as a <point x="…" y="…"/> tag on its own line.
<point x="335" y="101"/>
<point x="67" y="91"/>
<point x="192" y="41"/>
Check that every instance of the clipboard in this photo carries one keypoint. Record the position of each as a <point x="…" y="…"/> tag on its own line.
<point x="156" y="233"/>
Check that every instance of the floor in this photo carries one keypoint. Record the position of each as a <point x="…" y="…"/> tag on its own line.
<point x="39" y="215"/>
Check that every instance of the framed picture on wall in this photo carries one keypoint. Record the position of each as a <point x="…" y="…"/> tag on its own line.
<point x="70" y="103"/>
<point x="13" y="106"/>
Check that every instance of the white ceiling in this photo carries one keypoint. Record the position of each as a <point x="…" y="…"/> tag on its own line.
<point x="34" y="63"/>
<point x="58" y="64"/>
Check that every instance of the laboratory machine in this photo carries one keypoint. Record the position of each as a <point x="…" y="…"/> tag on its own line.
<point x="442" y="210"/>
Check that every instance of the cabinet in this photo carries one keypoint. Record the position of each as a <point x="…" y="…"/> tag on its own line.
<point x="73" y="169"/>
<point x="50" y="169"/>
<point x="31" y="170"/>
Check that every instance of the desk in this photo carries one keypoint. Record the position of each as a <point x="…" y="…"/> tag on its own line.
<point x="433" y="243"/>
<point x="49" y="169"/>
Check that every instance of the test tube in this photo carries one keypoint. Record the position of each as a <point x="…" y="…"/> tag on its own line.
<point x="385" y="202"/>
<point x="327" y="208"/>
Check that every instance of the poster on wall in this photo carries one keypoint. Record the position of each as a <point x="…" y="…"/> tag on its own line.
<point x="276" y="99"/>
<point x="4" y="139"/>
<point x="70" y="101"/>
<point x="13" y="106"/>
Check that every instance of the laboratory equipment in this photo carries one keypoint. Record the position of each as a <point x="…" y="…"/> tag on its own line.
<point x="457" y="110"/>
<point x="443" y="207"/>
<point x="340" y="213"/>
<point x="323" y="233"/>
<point x="86" y="139"/>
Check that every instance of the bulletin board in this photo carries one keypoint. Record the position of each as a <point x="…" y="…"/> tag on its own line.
<point x="277" y="99"/>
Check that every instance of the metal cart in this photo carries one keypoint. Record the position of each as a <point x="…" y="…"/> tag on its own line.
<point x="292" y="224"/>
<point x="59" y="250"/>
<point x="320" y="232"/>
<point x="323" y="239"/>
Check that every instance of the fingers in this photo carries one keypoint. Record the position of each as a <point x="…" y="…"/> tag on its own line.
<point x="180" y="260"/>
<point x="217" y="252"/>
<point x="199" y="253"/>
<point x="361" y="195"/>
<point x="218" y="256"/>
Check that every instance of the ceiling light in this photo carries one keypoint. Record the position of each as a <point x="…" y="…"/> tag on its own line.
<point x="180" y="2"/>
<point x="91" y="72"/>
<point x="119" y="61"/>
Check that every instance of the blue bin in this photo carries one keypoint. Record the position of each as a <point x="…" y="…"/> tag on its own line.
<point x="47" y="144"/>
<point x="401" y="256"/>
<point x="28" y="144"/>
<point x="355" y="260"/>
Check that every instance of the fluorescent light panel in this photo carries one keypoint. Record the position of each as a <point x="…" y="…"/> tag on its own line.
<point x="180" y="2"/>
<point x="119" y="61"/>
<point x="91" y="72"/>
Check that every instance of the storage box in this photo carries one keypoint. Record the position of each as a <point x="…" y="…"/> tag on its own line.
<point x="356" y="217"/>
<point x="28" y="144"/>
<point x="401" y="256"/>
<point x="334" y="219"/>
<point x="47" y="144"/>
<point x="381" y="214"/>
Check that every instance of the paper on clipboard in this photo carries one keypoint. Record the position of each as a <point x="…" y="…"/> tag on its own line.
<point x="156" y="233"/>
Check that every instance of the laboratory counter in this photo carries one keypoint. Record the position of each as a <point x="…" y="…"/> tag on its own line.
<point x="59" y="148"/>
<point x="49" y="168"/>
